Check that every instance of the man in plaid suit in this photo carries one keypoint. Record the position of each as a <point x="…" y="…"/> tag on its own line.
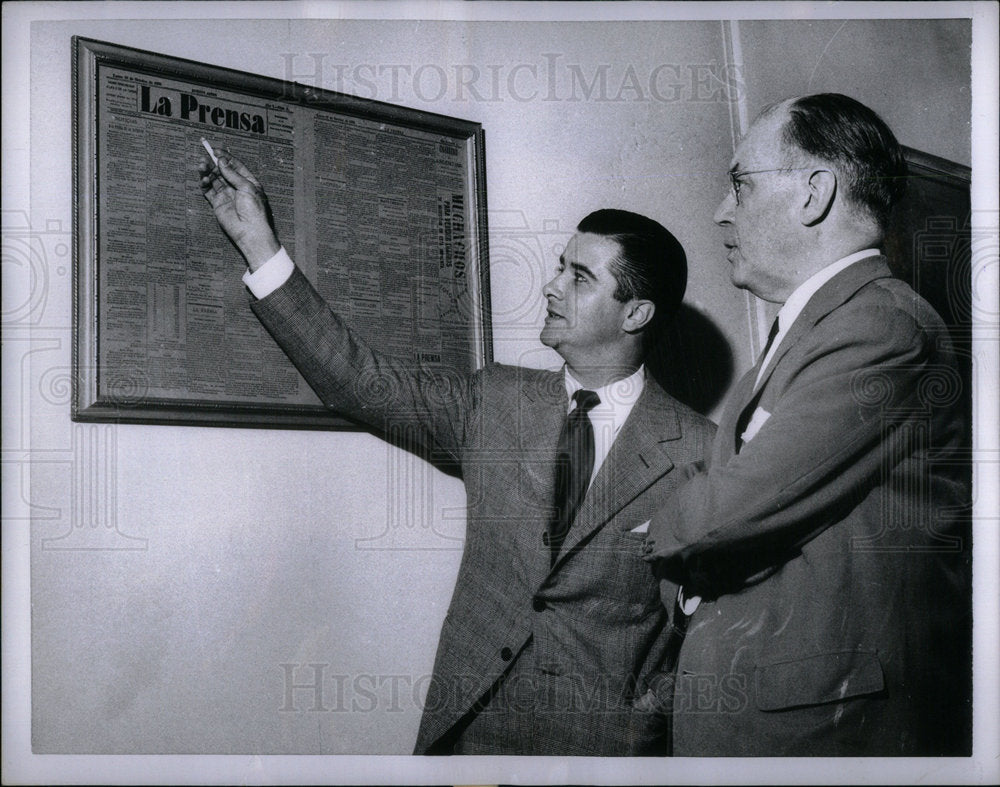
<point x="555" y="643"/>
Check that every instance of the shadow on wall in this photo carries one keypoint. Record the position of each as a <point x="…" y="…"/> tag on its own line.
<point x="692" y="361"/>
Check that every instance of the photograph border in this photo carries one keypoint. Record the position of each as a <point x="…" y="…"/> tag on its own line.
<point x="22" y="765"/>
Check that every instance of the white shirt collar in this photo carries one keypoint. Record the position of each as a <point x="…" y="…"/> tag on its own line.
<point x="801" y="295"/>
<point x="617" y="398"/>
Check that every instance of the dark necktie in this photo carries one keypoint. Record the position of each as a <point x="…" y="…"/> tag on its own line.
<point x="574" y="464"/>
<point x="744" y="420"/>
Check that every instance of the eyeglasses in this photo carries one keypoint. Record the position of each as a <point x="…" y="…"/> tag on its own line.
<point x="735" y="176"/>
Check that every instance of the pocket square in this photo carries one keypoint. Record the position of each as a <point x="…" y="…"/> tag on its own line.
<point x="758" y="419"/>
<point x="643" y="528"/>
<point x="687" y="605"/>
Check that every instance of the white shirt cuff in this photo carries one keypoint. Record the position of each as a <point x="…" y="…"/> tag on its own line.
<point x="269" y="276"/>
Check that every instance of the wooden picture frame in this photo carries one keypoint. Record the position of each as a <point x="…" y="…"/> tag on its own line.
<point x="383" y="207"/>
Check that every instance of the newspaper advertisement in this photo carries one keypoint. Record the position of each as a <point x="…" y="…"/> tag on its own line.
<point x="376" y="216"/>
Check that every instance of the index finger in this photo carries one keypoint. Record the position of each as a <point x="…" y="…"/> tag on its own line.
<point x="225" y="158"/>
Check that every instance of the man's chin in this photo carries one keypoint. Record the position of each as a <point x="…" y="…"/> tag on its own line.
<point x="737" y="278"/>
<point x="550" y="336"/>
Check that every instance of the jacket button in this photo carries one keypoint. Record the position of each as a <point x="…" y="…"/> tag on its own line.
<point x="506" y="654"/>
<point x="545" y="539"/>
<point x="538" y="604"/>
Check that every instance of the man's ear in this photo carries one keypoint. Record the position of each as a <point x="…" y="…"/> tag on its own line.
<point x="638" y="315"/>
<point x="821" y="189"/>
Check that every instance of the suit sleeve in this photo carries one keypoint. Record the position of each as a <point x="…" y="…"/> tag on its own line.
<point x="379" y="391"/>
<point x="832" y="436"/>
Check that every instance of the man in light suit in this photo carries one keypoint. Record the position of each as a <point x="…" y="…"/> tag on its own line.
<point x="555" y="634"/>
<point x="824" y="553"/>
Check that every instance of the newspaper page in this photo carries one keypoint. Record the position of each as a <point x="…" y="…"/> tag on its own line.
<point x="376" y="215"/>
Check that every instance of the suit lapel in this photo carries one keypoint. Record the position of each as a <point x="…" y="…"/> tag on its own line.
<point x="541" y="414"/>
<point x="827" y="298"/>
<point x="742" y="397"/>
<point x="638" y="457"/>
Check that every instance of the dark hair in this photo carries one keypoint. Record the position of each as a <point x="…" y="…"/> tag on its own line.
<point x="651" y="264"/>
<point x="845" y="132"/>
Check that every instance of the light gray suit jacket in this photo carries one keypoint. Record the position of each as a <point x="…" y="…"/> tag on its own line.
<point x="832" y="552"/>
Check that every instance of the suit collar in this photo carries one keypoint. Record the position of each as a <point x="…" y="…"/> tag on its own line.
<point x="802" y="294"/>
<point x="828" y="297"/>
<point x="542" y="406"/>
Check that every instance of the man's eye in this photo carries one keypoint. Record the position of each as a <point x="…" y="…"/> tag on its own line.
<point x="579" y="277"/>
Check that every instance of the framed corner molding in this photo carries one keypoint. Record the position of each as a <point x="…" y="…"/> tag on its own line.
<point x="928" y="243"/>
<point x="383" y="207"/>
<point x="929" y="246"/>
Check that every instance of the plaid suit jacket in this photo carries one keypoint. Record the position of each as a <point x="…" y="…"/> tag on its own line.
<point x="597" y="627"/>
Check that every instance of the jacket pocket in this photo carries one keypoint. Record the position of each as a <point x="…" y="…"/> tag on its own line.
<point x="814" y="680"/>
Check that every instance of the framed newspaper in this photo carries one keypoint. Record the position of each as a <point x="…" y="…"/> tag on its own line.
<point x="383" y="207"/>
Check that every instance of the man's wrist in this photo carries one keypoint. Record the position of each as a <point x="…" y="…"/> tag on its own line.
<point x="258" y="252"/>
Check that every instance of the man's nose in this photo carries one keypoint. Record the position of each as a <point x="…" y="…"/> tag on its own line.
<point x="552" y="288"/>
<point x="724" y="213"/>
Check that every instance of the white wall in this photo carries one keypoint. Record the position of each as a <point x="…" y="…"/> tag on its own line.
<point x="913" y="72"/>
<point x="253" y="548"/>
